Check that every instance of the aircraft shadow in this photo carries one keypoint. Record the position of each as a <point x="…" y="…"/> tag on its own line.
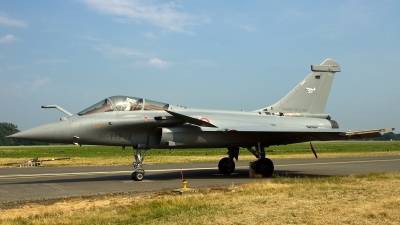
<point x="240" y="174"/>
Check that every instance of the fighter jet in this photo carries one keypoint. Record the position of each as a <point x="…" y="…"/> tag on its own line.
<point x="145" y="124"/>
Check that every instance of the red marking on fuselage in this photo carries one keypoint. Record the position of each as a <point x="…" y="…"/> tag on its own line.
<point x="204" y="119"/>
<point x="145" y="117"/>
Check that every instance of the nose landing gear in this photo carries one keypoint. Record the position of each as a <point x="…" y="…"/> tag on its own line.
<point x="138" y="174"/>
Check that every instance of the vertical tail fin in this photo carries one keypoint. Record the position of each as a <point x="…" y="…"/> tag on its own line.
<point x="311" y="95"/>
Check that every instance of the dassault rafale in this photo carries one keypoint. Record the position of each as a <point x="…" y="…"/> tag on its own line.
<point x="145" y="124"/>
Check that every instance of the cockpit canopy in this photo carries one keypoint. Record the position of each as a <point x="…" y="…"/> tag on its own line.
<point x="123" y="103"/>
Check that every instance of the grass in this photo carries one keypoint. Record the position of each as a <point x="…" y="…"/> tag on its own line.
<point x="356" y="199"/>
<point x="109" y="155"/>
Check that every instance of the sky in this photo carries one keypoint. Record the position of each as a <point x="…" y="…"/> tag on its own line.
<point x="233" y="55"/>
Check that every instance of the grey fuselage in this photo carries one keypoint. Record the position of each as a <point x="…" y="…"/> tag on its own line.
<point x="159" y="129"/>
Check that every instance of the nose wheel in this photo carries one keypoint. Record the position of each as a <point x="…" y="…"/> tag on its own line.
<point x="138" y="174"/>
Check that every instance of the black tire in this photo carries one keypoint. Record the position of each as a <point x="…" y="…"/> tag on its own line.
<point x="226" y="166"/>
<point x="265" y="167"/>
<point x="137" y="176"/>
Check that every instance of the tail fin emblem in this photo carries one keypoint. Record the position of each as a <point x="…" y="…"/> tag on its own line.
<point x="310" y="90"/>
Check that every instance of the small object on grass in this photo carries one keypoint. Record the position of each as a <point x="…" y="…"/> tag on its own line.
<point x="184" y="188"/>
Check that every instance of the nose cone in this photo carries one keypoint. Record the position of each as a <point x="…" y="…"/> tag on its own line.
<point x="41" y="133"/>
<point x="54" y="132"/>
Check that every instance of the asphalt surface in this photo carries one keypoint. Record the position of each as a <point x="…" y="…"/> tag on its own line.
<point x="35" y="183"/>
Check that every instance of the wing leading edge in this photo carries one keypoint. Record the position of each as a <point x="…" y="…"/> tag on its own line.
<point x="191" y="120"/>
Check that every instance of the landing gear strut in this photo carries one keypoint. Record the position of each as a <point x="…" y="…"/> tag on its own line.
<point x="263" y="166"/>
<point x="138" y="174"/>
<point x="227" y="165"/>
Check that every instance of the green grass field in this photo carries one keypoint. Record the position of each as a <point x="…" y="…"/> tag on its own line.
<point x="109" y="155"/>
<point x="111" y="151"/>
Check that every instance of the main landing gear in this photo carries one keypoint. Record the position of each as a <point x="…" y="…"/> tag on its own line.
<point x="138" y="174"/>
<point x="227" y="165"/>
<point x="263" y="166"/>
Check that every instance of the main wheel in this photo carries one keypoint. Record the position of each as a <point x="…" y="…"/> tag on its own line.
<point x="137" y="176"/>
<point x="265" y="167"/>
<point x="226" y="166"/>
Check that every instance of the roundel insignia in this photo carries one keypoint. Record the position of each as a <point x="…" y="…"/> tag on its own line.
<point x="145" y="117"/>
<point x="204" y="119"/>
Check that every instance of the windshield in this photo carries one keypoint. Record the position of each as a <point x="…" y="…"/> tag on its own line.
<point x="102" y="106"/>
<point x="123" y="103"/>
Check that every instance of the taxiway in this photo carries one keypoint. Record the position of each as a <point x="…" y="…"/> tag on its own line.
<point x="21" y="184"/>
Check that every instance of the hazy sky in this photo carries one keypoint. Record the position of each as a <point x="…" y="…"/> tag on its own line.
<point x="235" y="55"/>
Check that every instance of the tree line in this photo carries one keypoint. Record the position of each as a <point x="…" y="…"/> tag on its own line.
<point x="390" y="136"/>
